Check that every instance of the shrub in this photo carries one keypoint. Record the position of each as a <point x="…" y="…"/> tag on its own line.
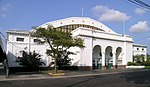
<point x="146" y="63"/>
<point x="3" y="55"/>
<point x="147" y="67"/>
<point x="30" y="60"/>
<point x="133" y="64"/>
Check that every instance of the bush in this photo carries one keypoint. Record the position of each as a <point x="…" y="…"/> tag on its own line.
<point x="146" y="63"/>
<point x="2" y="55"/>
<point x="133" y="64"/>
<point x="30" y="60"/>
<point x="147" y="67"/>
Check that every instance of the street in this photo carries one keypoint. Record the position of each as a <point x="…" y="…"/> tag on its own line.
<point x="132" y="79"/>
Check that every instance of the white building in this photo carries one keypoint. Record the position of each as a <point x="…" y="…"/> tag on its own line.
<point x="103" y="46"/>
<point x="139" y="49"/>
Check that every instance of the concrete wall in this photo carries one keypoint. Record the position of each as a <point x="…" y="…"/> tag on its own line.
<point x="14" y="47"/>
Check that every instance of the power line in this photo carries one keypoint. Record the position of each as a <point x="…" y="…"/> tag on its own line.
<point x="2" y="34"/>
<point x="140" y="3"/>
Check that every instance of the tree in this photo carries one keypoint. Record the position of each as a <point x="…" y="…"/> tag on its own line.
<point x="3" y="55"/>
<point x="148" y="57"/>
<point x="59" y="42"/>
<point x="30" y="60"/>
<point x="138" y="58"/>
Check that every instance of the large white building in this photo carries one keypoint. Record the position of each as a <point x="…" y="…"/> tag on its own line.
<point x="103" y="46"/>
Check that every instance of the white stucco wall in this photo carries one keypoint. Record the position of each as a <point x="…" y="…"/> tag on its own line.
<point x="92" y="38"/>
<point x="86" y="52"/>
<point x="14" y="47"/>
<point x="139" y="49"/>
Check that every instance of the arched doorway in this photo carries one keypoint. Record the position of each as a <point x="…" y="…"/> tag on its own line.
<point x="108" y="57"/>
<point x="97" y="57"/>
<point x="118" y="56"/>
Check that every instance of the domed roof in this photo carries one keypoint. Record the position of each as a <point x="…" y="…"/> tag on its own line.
<point x="81" y="21"/>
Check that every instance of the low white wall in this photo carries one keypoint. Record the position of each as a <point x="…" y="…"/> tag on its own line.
<point x="135" y="67"/>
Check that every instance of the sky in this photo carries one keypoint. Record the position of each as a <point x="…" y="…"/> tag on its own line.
<point x="119" y="15"/>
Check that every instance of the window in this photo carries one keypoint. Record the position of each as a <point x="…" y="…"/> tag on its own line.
<point x="142" y="49"/>
<point x="35" y="40"/>
<point x="20" y="39"/>
<point x="137" y="48"/>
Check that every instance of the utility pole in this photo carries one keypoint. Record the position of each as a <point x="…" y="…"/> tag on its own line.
<point x="124" y="37"/>
<point x="82" y="12"/>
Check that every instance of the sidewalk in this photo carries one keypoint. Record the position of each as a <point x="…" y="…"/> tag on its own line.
<point x="69" y="74"/>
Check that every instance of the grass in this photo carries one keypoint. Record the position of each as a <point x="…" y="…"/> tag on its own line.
<point x="147" y="67"/>
<point x="2" y="72"/>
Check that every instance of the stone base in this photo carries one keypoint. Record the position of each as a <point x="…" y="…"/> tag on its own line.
<point x="119" y="66"/>
<point x="88" y="68"/>
<point x="85" y="68"/>
<point x="103" y="67"/>
<point x="114" y="66"/>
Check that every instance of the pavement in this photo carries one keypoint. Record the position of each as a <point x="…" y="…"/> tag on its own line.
<point x="68" y="74"/>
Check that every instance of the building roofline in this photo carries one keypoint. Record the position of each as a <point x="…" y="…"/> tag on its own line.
<point x="139" y="45"/>
<point x="18" y="31"/>
<point x="79" y="20"/>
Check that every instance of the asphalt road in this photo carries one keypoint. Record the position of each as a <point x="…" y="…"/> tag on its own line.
<point x="134" y="79"/>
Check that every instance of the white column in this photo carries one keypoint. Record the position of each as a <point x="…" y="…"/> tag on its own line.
<point x="114" y="59"/>
<point x="124" y="51"/>
<point x="103" y="58"/>
<point x="29" y="45"/>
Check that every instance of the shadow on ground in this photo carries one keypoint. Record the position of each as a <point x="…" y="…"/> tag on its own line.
<point x="142" y="77"/>
<point x="84" y="81"/>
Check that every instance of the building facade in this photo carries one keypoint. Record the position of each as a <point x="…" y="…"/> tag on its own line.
<point x="103" y="46"/>
<point x="139" y="49"/>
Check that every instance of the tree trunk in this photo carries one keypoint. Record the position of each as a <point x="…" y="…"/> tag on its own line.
<point x="55" y="65"/>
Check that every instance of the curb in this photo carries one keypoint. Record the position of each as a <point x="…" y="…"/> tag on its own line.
<point x="71" y="76"/>
<point x="56" y="74"/>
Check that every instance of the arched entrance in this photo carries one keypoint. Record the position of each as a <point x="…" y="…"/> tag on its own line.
<point x="97" y="57"/>
<point x="108" y="57"/>
<point x="118" y="56"/>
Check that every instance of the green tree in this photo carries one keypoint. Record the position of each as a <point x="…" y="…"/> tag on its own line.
<point x="30" y="60"/>
<point x="148" y="57"/>
<point x="3" y="55"/>
<point x="138" y="58"/>
<point x="59" y="42"/>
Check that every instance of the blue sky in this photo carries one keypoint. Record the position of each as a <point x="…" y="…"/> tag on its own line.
<point x="23" y="14"/>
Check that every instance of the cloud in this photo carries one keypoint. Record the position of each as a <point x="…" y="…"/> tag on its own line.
<point x="148" y="38"/>
<point x="139" y="11"/>
<point x="4" y="10"/>
<point x="3" y="15"/>
<point x="140" y="27"/>
<point x="109" y="15"/>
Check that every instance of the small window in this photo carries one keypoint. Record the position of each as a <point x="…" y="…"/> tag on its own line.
<point x="20" y="39"/>
<point x="142" y="49"/>
<point x="35" y="40"/>
<point x="137" y="48"/>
